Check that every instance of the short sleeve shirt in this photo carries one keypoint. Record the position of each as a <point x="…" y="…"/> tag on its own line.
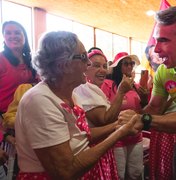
<point x="42" y="122"/>
<point x="164" y="82"/>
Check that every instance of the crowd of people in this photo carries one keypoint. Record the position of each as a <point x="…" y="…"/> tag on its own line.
<point x="71" y="115"/>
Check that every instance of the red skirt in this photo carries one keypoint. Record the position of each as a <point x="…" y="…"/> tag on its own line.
<point x="105" y="169"/>
<point x="161" y="155"/>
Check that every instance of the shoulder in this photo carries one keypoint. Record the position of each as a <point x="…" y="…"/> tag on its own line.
<point x="90" y="94"/>
<point x="34" y="94"/>
<point x="162" y="69"/>
<point x="86" y="89"/>
<point x="3" y="61"/>
<point x="162" y="73"/>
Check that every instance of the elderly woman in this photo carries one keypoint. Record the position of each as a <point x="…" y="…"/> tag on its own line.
<point x="52" y="134"/>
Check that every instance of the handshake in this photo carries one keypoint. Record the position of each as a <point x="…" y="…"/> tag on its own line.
<point x="135" y="122"/>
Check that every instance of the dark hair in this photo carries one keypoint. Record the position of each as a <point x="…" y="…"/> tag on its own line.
<point x="94" y="48"/>
<point x="26" y="48"/>
<point x="147" y="52"/>
<point x="153" y="65"/>
<point x="167" y="16"/>
<point x="116" y="75"/>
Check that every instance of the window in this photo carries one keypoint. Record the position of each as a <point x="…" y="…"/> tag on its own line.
<point x="85" y="34"/>
<point x="120" y="44"/>
<point x="55" y="23"/>
<point x="138" y="48"/>
<point x="104" y="42"/>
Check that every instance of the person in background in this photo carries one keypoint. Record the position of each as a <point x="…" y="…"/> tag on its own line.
<point x="94" y="102"/>
<point x="15" y="64"/>
<point x="108" y="62"/>
<point x="153" y="57"/>
<point x="129" y="151"/>
<point x="3" y="159"/>
<point x="154" y="62"/>
<point x="10" y="115"/>
<point x="163" y="87"/>
<point x="56" y="146"/>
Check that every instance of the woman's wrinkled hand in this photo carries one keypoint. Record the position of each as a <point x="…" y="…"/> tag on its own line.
<point x="130" y="127"/>
<point x="132" y="118"/>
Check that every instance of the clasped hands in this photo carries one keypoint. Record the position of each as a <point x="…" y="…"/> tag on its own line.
<point x="130" y="121"/>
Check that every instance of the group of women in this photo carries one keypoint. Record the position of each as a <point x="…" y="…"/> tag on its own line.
<point x="66" y="126"/>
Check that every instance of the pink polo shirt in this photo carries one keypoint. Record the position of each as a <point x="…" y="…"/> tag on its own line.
<point x="10" y="78"/>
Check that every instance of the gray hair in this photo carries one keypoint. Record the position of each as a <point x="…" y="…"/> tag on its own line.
<point x="167" y="16"/>
<point x="56" y="50"/>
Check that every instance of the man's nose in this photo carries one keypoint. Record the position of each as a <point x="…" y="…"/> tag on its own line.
<point x="157" y="47"/>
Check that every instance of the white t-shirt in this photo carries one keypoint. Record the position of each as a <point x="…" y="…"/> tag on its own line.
<point x="42" y="122"/>
<point x="91" y="96"/>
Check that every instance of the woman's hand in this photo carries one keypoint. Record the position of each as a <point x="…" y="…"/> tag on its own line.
<point x="131" y="119"/>
<point x="143" y="94"/>
<point x="125" y="116"/>
<point x="129" y="128"/>
<point x="143" y="91"/>
<point x="126" y="84"/>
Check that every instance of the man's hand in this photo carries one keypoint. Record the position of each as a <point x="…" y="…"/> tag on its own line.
<point x="129" y="128"/>
<point x="125" y="116"/>
<point x="130" y="116"/>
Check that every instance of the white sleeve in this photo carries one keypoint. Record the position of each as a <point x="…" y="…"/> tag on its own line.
<point x="43" y="122"/>
<point x="91" y="96"/>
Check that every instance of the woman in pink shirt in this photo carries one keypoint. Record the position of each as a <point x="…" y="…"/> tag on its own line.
<point x="99" y="112"/>
<point x="15" y="66"/>
<point x="129" y="151"/>
<point x="15" y="62"/>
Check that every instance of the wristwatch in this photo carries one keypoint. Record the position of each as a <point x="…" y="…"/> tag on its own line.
<point x="146" y="119"/>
